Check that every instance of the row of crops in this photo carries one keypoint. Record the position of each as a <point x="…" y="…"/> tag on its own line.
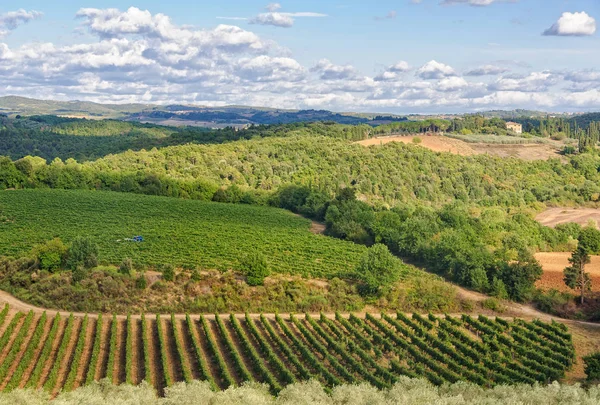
<point x="57" y="353"/>
<point x="180" y="232"/>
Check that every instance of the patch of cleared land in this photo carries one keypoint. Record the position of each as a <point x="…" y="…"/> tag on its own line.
<point x="456" y="146"/>
<point x="554" y="263"/>
<point x="554" y="216"/>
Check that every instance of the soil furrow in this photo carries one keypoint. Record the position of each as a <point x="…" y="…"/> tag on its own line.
<point x="189" y="355"/>
<point x="38" y="353"/>
<point x="52" y="358"/>
<point x="216" y="334"/>
<point x="104" y="350"/>
<point x="20" y="353"/>
<point x="70" y="352"/>
<point x="84" y="363"/>
<point x="172" y="355"/>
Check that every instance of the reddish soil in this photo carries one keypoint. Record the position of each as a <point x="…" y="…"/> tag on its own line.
<point x="10" y="341"/>
<point x="104" y="349"/>
<point x="84" y="362"/>
<point x="20" y="353"/>
<point x="555" y="262"/>
<point x="210" y="359"/>
<point x="137" y="352"/>
<point x="189" y="355"/>
<point x="65" y="363"/>
<point x="156" y="361"/>
<point x="37" y="354"/>
<point x="52" y="358"/>
<point x="434" y="143"/>
<point x="119" y="370"/>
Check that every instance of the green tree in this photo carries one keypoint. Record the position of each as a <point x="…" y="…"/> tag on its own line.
<point x="83" y="252"/>
<point x="378" y="269"/>
<point x="51" y="255"/>
<point x="255" y="268"/>
<point x="575" y="276"/>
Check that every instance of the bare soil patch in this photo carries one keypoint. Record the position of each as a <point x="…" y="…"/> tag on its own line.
<point x="435" y="143"/>
<point x="554" y="263"/>
<point x="555" y="216"/>
<point x="445" y="144"/>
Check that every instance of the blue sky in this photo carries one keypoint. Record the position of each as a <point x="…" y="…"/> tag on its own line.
<point x="341" y="55"/>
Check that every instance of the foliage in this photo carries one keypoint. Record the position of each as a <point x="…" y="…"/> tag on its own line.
<point x="592" y="366"/>
<point x="575" y="276"/>
<point x="82" y="252"/>
<point x="51" y="255"/>
<point x="168" y="272"/>
<point x="378" y="269"/>
<point x="126" y="267"/>
<point x="255" y="267"/>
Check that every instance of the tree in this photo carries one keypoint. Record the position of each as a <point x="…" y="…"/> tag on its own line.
<point x="51" y="255"/>
<point x="255" y="268"/>
<point x="83" y="252"/>
<point x="378" y="269"/>
<point x="575" y="276"/>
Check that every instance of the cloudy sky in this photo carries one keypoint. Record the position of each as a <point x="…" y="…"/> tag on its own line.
<point x="402" y="56"/>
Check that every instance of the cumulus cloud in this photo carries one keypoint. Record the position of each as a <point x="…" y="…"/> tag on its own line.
<point x="330" y="71"/>
<point x="274" y="19"/>
<point x="277" y="18"/>
<point x="11" y="20"/>
<point x="435" y="70"/>
<point x="573" y="24"/>
<point x="138" y="56"/>
<point x="486" y="70"/>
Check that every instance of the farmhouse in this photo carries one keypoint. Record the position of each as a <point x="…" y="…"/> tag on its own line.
<point x="515" y="127"/>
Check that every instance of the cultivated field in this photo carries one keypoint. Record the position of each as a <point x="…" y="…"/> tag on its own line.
<point x="63" y="352"/>
<point x="456" y="146"/>
<point x="554" y="263"/>
<point x="555" y="216"/>
<point x="180" y="232"/>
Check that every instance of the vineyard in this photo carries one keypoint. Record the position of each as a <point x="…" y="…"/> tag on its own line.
<point x="180" y="232"/>
<point x="64" y="352"/>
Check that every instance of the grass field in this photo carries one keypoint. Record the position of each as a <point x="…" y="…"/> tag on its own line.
<point x="180" y="232"/>
<point x="64" y="352"/>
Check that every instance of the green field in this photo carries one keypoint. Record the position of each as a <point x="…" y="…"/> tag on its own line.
<point x="180" y="232"/>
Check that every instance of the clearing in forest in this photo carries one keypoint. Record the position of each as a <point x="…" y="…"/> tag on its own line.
<point x="555" y="216"/>
<point x="554" y="264"/>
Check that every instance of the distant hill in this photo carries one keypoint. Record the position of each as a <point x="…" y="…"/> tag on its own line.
<point x="183" y="115"/>
<point x="13" y="105"/>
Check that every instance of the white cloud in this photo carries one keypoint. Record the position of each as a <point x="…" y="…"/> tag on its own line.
<point x="330" y="71"/>
<point x="435" y="70"/>
<point x="273" y="7"/>
<point x="11" y="20"/>
<point x="486" y="70"/>
<point x="573" y="24"/>
<point x="274" y="19"/>
<point x="138" y="56"/>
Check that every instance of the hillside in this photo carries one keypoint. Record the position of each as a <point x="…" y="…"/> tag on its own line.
<point x="179" y="232"/>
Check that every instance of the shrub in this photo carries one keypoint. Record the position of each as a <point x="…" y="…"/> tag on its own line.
<point x="416" y="140"/>
<point x="592" y="366"/>
<point x="79" y="274"/>
<point x="493" y="305"/>
<point x="168" y="272"/>
<point x="255" y="268"/>
<point x="126" y="267"/>
<point x="140" y="282"/>
<point x="196" y="275"/>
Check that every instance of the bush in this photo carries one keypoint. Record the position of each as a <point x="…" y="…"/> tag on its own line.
<point x="255" y="268"/>
<point x="126" y="267"/>
<point x="83" y="252"/>
<point x="493" y="304"/>
<point x="168" y="272"/>
<point x="196" y="275"/>
<point x="140" y="282"/>
<point x="592" y="366"/>
<point x="79" y="274"/>
<point x="416" y="140"/>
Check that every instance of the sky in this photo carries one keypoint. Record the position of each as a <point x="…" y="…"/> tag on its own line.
<point x="402" y="56"/>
